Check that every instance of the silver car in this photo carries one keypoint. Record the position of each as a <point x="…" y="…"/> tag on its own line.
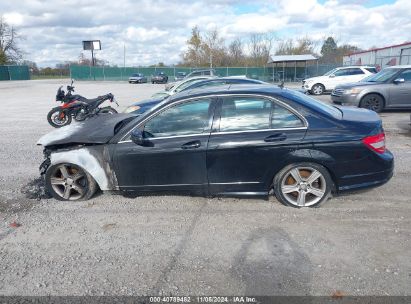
<point x="388" y="89"/>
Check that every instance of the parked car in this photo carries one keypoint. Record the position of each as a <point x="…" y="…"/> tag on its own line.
<point x="137" y="78"/>
<point x="142" y="106"/>
<point x="161" y="77"/>
<point x="388" y="89"/>
<point x="327" y="82"/>
<point x="208" y="72"/>
<point x="236" y="140"/>
<point x="180" y="76"/>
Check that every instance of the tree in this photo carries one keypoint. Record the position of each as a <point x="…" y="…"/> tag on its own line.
<point x="193" y="54"/>
<point x="329" y="50"/>
<point x="236" y="53"/>
<point x="301" y="46"/>
<point x="9" y="51"/>
<point x="332" y="53"/>
<point x="260" y="46"/>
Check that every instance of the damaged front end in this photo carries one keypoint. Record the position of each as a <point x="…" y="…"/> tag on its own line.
<point x="95" y="159"/>
<point x="46" y="163"/>
<point x="85" y="145"/>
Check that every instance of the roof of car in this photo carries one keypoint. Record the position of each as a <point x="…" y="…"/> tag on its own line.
<point x="399" y="66"/>
<point x="356" y="66"/>
<point x="230" y="88"/>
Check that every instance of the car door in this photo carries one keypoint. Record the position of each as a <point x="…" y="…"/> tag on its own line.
<point x="338" y="77"/>
<point x="251" y="138"/>
<point x="400" y="92"/>
<point x="174" y="154"/>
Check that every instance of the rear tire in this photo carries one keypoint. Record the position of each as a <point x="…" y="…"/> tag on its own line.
<point x="373" y="102"/>
<point x="55" y="119"/>
<point x="69" y="182"/>
<point x="317" y="89"/>
<point x="302" y="185"/>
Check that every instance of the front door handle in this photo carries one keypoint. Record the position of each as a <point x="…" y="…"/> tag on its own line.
<point x="276" y="137"/>
<point x="191" y="145"/>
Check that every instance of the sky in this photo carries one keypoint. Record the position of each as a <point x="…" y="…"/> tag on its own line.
<point x="157" y="31"/>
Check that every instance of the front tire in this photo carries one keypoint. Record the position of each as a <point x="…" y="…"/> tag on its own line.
<point x="108" y="110"/>
<point x="317" y="89"/>
<point x="69" y="182"/>
<point x="57" y="118"/>
<point x="373" y="102"/>
<point x="303" y="185"/>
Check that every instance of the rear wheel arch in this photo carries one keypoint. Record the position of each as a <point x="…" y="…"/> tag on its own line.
<point x="326" y="161"/>
<point x="305" y="170"/>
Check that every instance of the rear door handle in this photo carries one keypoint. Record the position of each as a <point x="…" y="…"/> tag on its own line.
<point x="191" y="145"/>
<point x="276" y="137"/>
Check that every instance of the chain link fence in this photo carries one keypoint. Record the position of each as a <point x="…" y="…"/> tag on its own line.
<point x="268" y="73"/>
<point x="14" y="72"/>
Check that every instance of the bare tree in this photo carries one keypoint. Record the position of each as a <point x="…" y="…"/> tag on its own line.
<point x="9" y="51"/>
<point x="301" y="46"/>
<point x="235" y="53"/>
<point x="214" y="48"/>
<point x="260" y="46"/>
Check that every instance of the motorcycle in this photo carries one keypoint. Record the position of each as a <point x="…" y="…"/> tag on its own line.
<point x="77" y="107"/>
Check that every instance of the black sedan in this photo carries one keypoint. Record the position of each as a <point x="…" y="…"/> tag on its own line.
<point x="230" y="140"/>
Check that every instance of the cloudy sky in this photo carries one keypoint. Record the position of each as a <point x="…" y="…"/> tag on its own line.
<point x="156" y="31"/>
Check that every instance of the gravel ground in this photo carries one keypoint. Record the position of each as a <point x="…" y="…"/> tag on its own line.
<point x="357" y="244"/>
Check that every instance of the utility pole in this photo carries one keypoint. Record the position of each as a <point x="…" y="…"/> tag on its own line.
<point x="124" y="56"/>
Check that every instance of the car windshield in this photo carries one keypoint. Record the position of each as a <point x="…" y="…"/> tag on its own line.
<point x="136" y="75"/>
<point x="330" y="72"/>
<point x="382" y="76"/>
<point x="184" y="85"/>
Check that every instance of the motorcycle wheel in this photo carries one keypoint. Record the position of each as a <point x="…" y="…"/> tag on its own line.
<point x="108" y="110"/>
<point x="58" y="119"/>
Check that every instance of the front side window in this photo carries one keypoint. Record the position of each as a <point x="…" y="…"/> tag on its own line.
<point x="248" y="113"/>
<point x="342" y="72"/>
<point x="406" y="75"/>
<point x="183" y="119"/>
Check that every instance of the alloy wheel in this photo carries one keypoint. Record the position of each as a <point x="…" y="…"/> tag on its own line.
<point x="69" y="182"/>
<point x="317" y="89"/>
<point x="372" y="103"/>
<point x="303" y="186"/>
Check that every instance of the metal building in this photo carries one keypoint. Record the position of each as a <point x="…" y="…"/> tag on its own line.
<point x="399" y="54"/>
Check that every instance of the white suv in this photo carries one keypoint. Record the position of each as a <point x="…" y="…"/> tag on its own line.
<point x="327" y="82"/>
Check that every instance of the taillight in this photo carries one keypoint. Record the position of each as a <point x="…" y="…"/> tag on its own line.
<point x="375" y="142"/>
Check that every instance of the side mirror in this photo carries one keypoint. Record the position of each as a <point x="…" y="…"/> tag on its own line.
<point x="399" y="80"/>
<point x="137" y="137"/>
<point x="332" y="76"/>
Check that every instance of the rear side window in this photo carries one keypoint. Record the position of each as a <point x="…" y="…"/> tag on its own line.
<point x="355" y="71"/>
<point x="248" y="113"/>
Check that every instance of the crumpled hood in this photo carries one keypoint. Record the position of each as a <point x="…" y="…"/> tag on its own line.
<point x="96" y="130"/>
